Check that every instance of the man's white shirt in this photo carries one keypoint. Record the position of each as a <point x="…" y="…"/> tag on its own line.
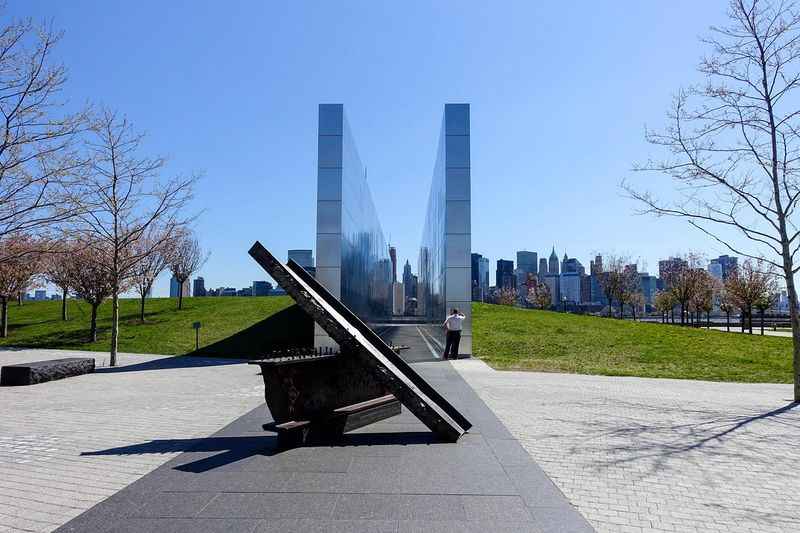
<point x="454" y="322"/>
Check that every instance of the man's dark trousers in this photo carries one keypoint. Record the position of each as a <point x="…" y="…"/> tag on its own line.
<point x="451" y="344"/>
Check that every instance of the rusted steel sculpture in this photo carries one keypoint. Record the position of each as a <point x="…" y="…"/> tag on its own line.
<point x="334" y="393"/>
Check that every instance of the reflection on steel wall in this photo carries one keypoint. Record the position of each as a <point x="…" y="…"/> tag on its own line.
<point x="352" y="256"/>
<point x="444" y="259"/>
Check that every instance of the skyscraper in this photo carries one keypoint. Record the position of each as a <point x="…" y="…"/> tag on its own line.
<point x="393" y="258"/>
<point x="727" y="264"/>
<point x="542" y="267"/>
<point x="304" y="258"/>
<point x="261" y="288"/>
<point x="483" y="276"/>
<point x="475" y="281"/>
<point x="504" y="275"/>
<point x="199" y="286"/>
<point x="527" y="261"/>
<point x="552" y="266"/>
<point x="175" y="288"/>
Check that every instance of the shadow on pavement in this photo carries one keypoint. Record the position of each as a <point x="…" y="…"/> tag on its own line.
<point x="169" y="363"/>
<point x="234" y="449"/>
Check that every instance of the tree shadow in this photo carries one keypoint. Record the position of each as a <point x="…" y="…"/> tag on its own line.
<point x="642" y="439"/>
<point x="288" y="328"/>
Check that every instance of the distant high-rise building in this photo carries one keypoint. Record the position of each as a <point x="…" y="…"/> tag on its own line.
<point x="715" y="270"/>
<point x="727" y="265"/>
<point x="666" y="267"/>
<point x="504" y="275"/>
<point x="483" y="276"/>
<point x="245" y="291"/>
<point x="570" y="287"/>
<point x="475" y="278"/>
<point x="542" y="267"/>
<point x="572" y="265"/>
<point x="552" y="264"/>
<point x="199" y="286"/>
<point x="304" y="258"/>
<point x="393" y="257"/>
<point x="553" y="283"/>
<point x="648" y="285"/>
<point x="261" y="288"/>
<point x="398" y="299"/>
<point x="527" y="262"/>
<point x="586" y="288"/>
<point x="175" y="288"/>
<point x="596" y="266"/>
<point x="40" y="294"/>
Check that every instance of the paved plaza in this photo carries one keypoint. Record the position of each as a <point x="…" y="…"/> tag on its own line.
<point x="637" y="455"/>
<point x="629" y="454"/>
<point x="47" y="479"/>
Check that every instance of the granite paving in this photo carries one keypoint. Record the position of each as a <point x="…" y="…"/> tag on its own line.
<point x="46" y="475"/>
<point x="645" y="455"/>
<point x="390" y="476"/>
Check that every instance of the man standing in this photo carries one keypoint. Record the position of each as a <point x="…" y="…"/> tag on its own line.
<point x="452" y="325"/>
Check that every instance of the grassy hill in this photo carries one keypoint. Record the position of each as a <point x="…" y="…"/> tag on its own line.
<point x="520" y="339"/>
<point x="231" y="327"/>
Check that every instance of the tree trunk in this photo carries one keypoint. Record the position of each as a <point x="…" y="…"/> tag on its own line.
<point x="795" y="319"/>
<point x="4" y="317"/>
<point x="114" y="327"/>
<point x="19" y="298"/>
<point x="93" y="327"/>
<point x="180" y="295"/>
<point x="728" y="321"/>
<point x="762" y="321"/>
<point x="141" y="308"/>
<point x="64" y="305"/>
<point x="683" y="315"/>
<point x="750" y="319"/>
<point x="708" y="319"/>
<point x="744" y="320"/>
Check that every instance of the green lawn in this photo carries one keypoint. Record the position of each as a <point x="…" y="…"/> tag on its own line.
<point x="519" y="339"/>
<point x="232" y="327"/>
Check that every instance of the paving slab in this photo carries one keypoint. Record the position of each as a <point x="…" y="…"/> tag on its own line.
<point x="387" y="477"/>
<point x="650" y="455"/>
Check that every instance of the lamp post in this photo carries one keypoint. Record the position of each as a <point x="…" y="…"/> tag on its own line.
<point x="564" y="302"/>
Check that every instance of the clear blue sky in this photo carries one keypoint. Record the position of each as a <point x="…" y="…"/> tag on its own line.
<point x="560" y="95"/>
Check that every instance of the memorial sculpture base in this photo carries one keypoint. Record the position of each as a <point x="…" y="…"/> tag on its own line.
<point x="315" y="398"/>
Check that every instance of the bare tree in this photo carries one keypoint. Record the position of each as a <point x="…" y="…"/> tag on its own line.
<point x="735" y="143"/>
<point x="90" y="278"/>
<point x="38" y="156"/>
<point x="619" y="282"/>
<point x="727" y="304"/>
<point x="766" y="301"/>
<point x="663" y="302"/>
<point x="122" y="196"/>
<point x="682" y="280"/>
<point x="21" y="264"/>
<point x="702" y="300"/>
<point x="636" y="301"/>
<point x="749" y="284"/>
<point x="145" y="272"/>
<point x="56" y="270"/>
<point x="185" y="258"/>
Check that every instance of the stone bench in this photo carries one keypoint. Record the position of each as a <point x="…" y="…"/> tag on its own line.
<point x="42" y="371"/>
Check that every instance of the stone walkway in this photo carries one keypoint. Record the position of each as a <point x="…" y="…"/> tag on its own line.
<point x="45" y="480"/>
<point x="636" y="454"/>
